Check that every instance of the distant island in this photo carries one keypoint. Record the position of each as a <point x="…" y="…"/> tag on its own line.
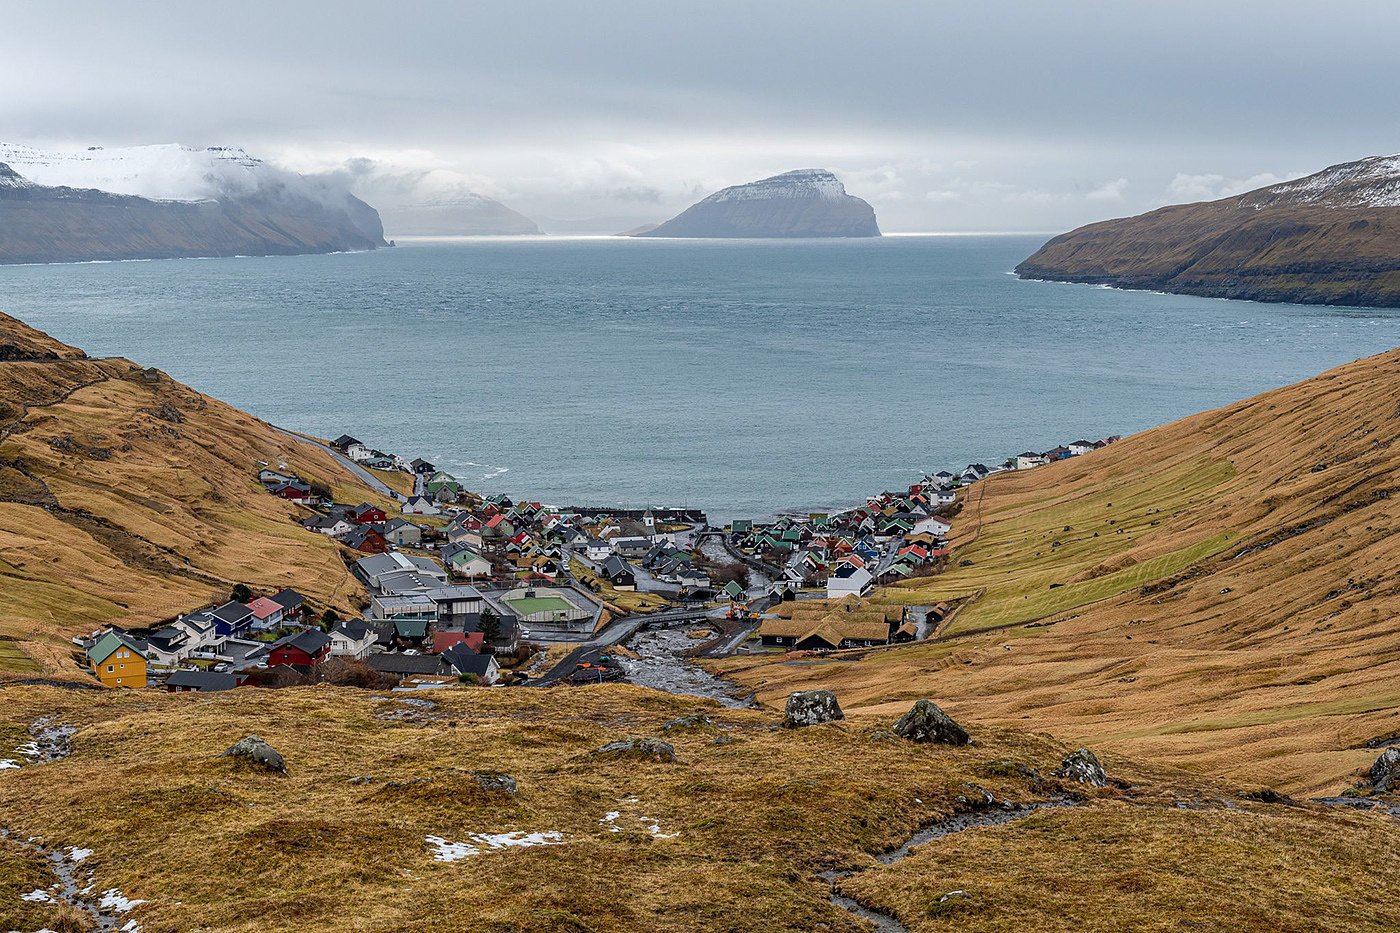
<point x="466" y="214"/>
<point x="803" y="203"/>
<point x="168" y="201"/>
<point x="1329" y="238"/>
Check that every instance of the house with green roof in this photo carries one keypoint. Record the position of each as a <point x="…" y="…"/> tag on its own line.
<point x="118" y="660"/>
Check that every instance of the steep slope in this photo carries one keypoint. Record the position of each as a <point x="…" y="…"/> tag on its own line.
<point x="1330" y="238"/>
<point x="802" y="203"/>
<point x="1218" y="593"/>
<point x="126" y="497"/>
<point x="159" y="202"/>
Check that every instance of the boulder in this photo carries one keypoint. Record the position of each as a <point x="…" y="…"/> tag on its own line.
<point x="1385" y="772"/>
<point x="692" y="721"/>
<point x="254" y="749"/>
<point x="1082" y="767"/>
<point x="495" y="781"/>
<point x="646" y="749"/>
<point x="810" y="708"/>
<point x="927" y="723"/>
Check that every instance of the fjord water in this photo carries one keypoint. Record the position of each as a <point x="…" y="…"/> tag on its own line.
<point x="744" y="377"/>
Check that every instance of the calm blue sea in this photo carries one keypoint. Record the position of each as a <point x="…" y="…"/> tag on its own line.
<point x="744" y="377"/>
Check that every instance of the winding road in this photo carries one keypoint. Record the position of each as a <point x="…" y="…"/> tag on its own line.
<point x="369" y="479"/>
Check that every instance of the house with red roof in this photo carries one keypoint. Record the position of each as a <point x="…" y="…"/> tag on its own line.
<point x="267" y="613"/>
<point x="444" y="640"/>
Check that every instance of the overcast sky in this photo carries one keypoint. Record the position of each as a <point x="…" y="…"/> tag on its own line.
<point x="945" y="116"/>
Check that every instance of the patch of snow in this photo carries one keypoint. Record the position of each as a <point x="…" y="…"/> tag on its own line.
<point x="37" y="897"/>
<point x="114" y="900"/>
<point x="8" y="763"/>
<point x="131" y="926"/>
<point x="445" y="851"/>
<point x="76" y="855"/>
<point x="1373" y="182"/>
<point x="610" y="821"/>
<point x="802" y="183"/>
<point x="654" y="827"/>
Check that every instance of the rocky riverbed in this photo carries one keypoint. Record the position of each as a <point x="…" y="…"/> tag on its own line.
<point x="660" y="664"/>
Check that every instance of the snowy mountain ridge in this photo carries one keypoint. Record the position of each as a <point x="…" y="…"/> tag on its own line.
<point x="167" y="172"/>
<point x="1370" y="182"/>
<point x="800" y="183"/>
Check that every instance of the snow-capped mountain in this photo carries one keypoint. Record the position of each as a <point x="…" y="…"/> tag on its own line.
<point x="147" y="202"/>
<point x="162" y="173"/>
<point x="1332" y="237"/>
<point x="803" y="203"/>
<point x="799" y="183"/>
<point x="1372" y="182"/>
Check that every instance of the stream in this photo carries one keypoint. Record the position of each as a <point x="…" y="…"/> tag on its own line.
<point x="659" y="664"/>
<point x="1004" y="813"/>
<point x="77" y="887"/>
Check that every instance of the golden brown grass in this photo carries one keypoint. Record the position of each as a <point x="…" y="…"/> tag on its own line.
<point x="217" y="845"/>
<point x="1239" y="624"/>
<point x="1112" y="866"/>
<point x="129" y="500"/>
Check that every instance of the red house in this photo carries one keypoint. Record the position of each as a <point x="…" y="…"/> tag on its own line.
<point x="367" y="514"/>
<point x="304" y="649"/>
<point x="366" y="540"/>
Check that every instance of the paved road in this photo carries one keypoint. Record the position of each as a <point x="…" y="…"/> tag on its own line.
<point x="369" y="478"/>
<point x="727" y="645"/>
<point x="616" y="632"/>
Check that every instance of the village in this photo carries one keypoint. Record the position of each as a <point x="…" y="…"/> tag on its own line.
<point x="460" y="587"/>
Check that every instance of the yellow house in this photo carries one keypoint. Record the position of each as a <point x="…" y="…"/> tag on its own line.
<point x="118" y="661"/>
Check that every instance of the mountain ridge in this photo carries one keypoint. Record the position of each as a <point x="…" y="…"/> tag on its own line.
<point x="799" y="203"/>
<point x="1332" y="237"/>
<point x="170" y="202"/>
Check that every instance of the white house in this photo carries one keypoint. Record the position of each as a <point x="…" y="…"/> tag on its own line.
<point x="421" y="505"/>
<point x="1081" y="447"/>
<point x="359" y="452"/>
<point x="1028" y="459"/>
<point x="849" y="581"/>
<point x="933" y="524"/>
<point x="946" y="496"/>
<point x="352" y="639"/>
<point x="597" y="549"/>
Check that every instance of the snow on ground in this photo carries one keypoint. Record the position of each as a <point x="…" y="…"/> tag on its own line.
<point x="114" y="900"/>
<point x="651" y="824"/>
<point x="36" y="896"/>
<point x="445" y="851"/>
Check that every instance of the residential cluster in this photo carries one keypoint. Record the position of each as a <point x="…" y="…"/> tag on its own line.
<point x="456" y="580"/>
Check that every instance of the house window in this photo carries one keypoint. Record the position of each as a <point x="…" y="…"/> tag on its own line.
<point x="110" y="668"/>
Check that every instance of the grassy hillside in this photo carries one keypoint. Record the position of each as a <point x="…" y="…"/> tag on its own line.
<point x="126" y="497"/>
<point x="1219" y="593"/>
<point x="730" y="837"/>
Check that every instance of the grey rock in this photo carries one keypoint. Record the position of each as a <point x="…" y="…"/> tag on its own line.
<point x="495" y="781"/>
<point x="648" y="749"/>
<point x="362" y="779"/>
<point x="691" y="721"/>
<point x="1082" y="767"/>
<point x="258" y="752"/>
<point x="810" y="708"/>
<point x="1385" y="771"/>
<point x="723" y="740"/>
<point x="927" y="723"/>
